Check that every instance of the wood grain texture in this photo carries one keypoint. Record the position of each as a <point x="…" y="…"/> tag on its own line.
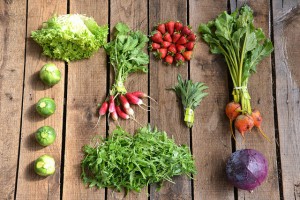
<point x="168" y="114"/>
<point x="134" y="14"/>
<point x="260" y="89"/>
<point x="49" y="187"/>
<point x="86" y="88"/>
<point x="211" y="136"/>
<point x="12" y="50"/>
<point x="286" y="38"/>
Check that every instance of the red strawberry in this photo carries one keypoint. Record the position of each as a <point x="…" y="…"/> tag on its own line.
<point x="191" y="37"/>
<point x="186" y="30"/>
<point x="169" y="59"/>
<point x="154" y="46"/>
<point x="175" y="37"/>
<point x="157" y="37"/>
<point x="172" y="49"/>
<point x="180" y="48"/>
<point x="167" y="37"/>
<point x="189" y="46"/>
<point x="165" y="44"/>
<point x="178" y="26"/>
<point x="187" y="55"/>
<point x="161" y="28"/>
<point x="182" y="40"/>
<point x="179" y="59"/>
<point x="170" y="27"/>
<point x="161" y="53"/>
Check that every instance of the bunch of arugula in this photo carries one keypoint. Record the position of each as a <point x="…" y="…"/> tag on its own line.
<point x="126" y="55"/>
<point x="131" y="162"/>
<point x="243" y="46"/>
<point x="191" y="95"/>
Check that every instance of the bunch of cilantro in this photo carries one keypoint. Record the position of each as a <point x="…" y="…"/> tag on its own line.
<point x="243" y="46"/>
<point x="70" y="37"/>
<point x="131" y="162"/>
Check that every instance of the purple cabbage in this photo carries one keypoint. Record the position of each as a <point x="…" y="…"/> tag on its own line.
<point x="246" y="169"/>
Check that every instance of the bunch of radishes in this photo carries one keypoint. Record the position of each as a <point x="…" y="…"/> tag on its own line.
<point x="119" y="106"/>
<point x="173" y="42"/>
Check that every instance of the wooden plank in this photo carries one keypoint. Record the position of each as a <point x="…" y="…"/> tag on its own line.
<point x="168" y="115"/>
<point x="12" y="50"/>
<point x="286" y="38"/>
<point x="134" y="14"/>
<point x="260" y="89"/>
<point x="40" y="188"/>
<point x="86" y="88"/>
<point x="211" y="146"/>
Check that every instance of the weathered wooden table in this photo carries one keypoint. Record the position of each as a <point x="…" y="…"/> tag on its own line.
<point x="274" y="90"/>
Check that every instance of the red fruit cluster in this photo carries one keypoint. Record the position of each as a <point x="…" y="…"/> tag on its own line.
<point x="173" y="42"/>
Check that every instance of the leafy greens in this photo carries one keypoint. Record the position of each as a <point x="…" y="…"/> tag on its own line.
<point x="131" y="162"/>
<point x="243" y="46"/>
<point x="70" y="37"/>
<point x="126" y="55"/>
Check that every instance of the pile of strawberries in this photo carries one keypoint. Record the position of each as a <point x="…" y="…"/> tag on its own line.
<point x="173" y="42"/>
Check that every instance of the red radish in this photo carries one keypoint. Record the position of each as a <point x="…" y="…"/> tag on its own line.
<point x="178" y="26"/>
<point x="103" y="109"/>
<point x="114" y="116"/>
<point x="186" y="30"/>
<point x="161" y="53"/>
<point x="175" y="37"/>
<point x="232" y="110"/>
<point x="180" y="48"/>
<point x="161" y="28"/>
<point x="165" y="44"/>
<point x="129" y="111"/>
<point x="121" y="114"/>
<point x="167" y="37"/>
<point x="182" y="40"/>
<point x="170" y="27"/>
<point x="257" y="118"/>
<point x="187" y="55"/>
<point x="244" y="123"/>
<point x="169" y="59"/>
<point x="140" y="94"/>
<point x="112" y="107"/>
<point x="179" y="59"/>
<point x="191" y="37"/>
<point x="172" y="49"/>
<point x="124" y="102"/>
<point x="189" y="46"/>
<point x="154" y="46"/>
<point x="133" y="99"/>
<point x="157" y="37"/>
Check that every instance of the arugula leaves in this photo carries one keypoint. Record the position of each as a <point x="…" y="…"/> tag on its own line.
<point x="243" y="46"/>
<point x="126" y="55"/>
<point x="131" y="162"/>
<point x="191" y="95"/>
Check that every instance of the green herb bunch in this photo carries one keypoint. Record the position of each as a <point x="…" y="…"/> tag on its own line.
<point x="243" y="46"/>
<point x="191" y="94"/>
<point x="131" y="162"/>
<point x="126" y="55"/>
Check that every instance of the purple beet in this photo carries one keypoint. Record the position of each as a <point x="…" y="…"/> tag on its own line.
<point x="246" y="169"/>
